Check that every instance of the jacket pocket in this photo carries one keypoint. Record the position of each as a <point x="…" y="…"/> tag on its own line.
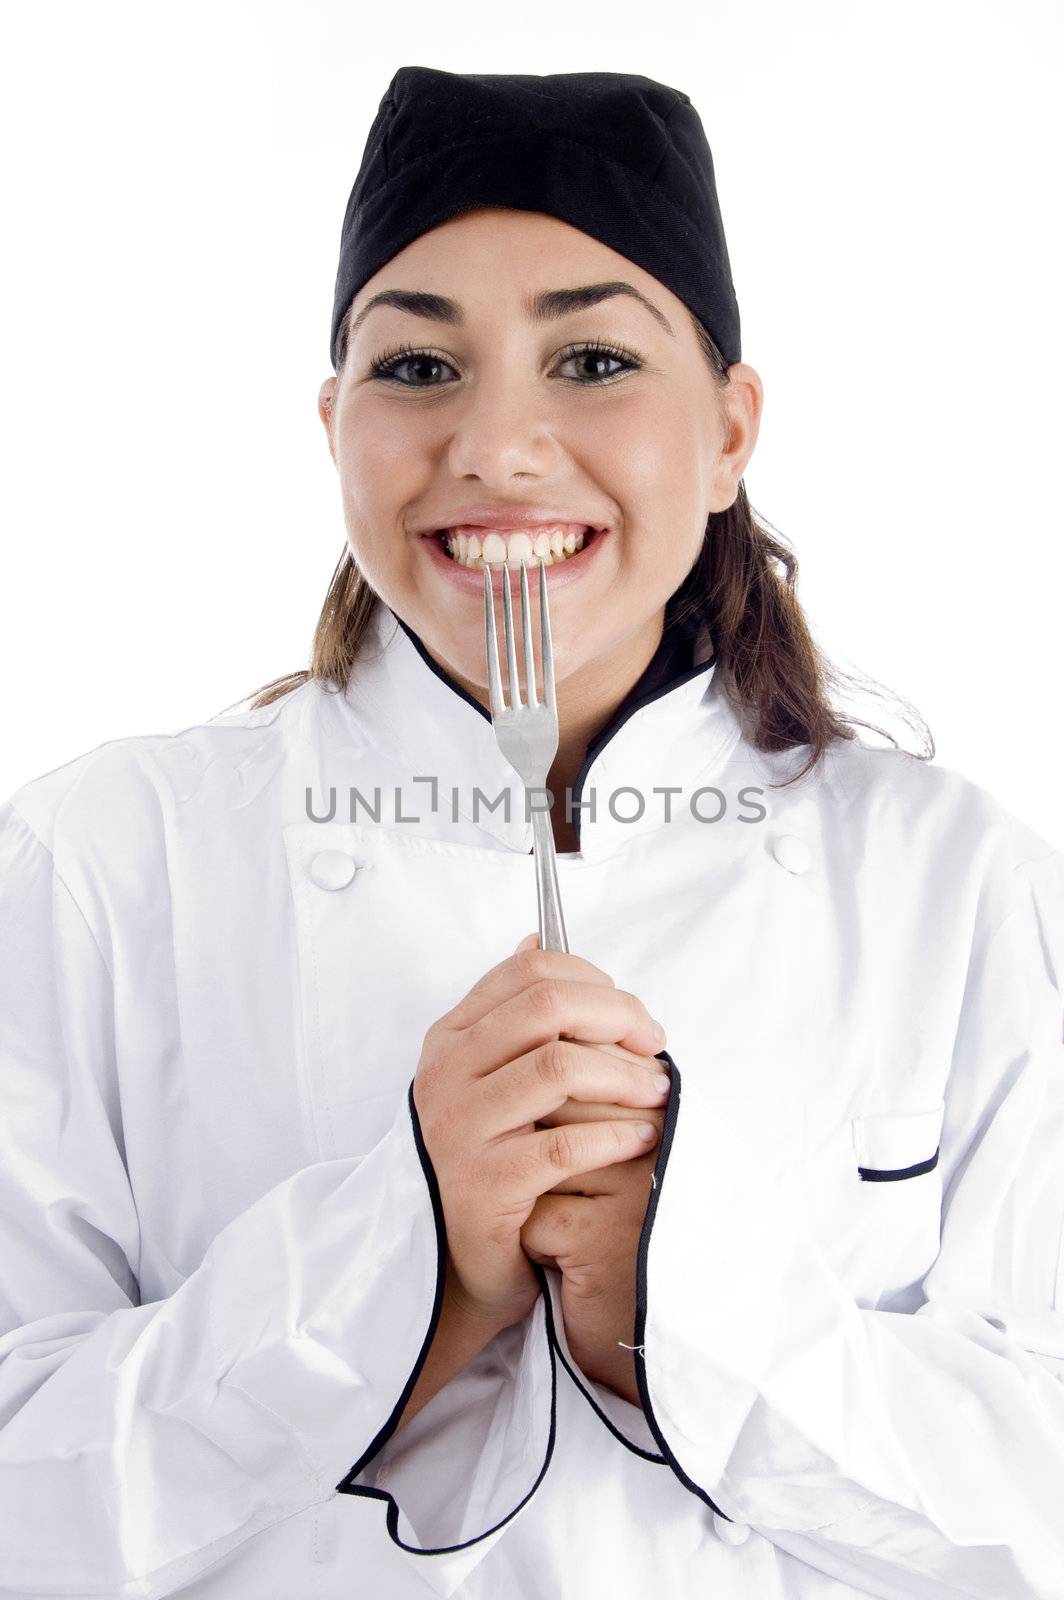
<point x="895" y="1145"/>
<point x="894" y="1218"/>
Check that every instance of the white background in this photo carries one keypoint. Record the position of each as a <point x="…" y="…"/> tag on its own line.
<point x="174" y="181"/>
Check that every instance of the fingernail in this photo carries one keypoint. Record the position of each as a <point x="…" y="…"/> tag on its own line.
<point x="659" y="1033"/>
<point x="646" y="1131"/>
<point x="661" y="1082"/>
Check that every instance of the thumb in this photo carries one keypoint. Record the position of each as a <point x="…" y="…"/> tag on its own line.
<point x="529" y="942"/>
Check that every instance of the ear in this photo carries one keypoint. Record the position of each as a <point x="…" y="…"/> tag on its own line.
<point x="742" y="400"/>
<point x="326" y="399"/>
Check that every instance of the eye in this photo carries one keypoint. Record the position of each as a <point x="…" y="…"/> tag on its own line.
<point x="627" y="359"/>
<point x="387" y="364"/>
<point x="389" y="361"/>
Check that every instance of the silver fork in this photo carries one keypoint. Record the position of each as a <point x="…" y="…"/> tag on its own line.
<point x="527" y="734"/>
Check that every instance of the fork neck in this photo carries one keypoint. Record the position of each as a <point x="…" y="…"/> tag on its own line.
<point x="675" y="658"/>
<point x="676" y="653"/>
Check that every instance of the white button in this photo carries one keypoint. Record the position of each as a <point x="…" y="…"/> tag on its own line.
<point x="792" y="853"/>
<point x="332" y="869"/>
<point x="730" y="1532"/>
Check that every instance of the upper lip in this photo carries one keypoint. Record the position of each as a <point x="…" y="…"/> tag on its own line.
<point x="510" y="517"/>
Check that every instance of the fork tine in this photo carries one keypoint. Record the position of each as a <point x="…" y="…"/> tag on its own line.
<point x="546" y="649"/>
<point x="492" y="644"/>
<point x="508" y="630"/>
<point x="526" y="633"/>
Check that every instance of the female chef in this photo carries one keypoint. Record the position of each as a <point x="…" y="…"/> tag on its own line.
<point x="334" y="1257"/>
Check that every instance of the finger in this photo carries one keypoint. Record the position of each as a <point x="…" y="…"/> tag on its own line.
<point x="560" y="1007"/>
<point x="614" y="1183"/>
<point x="530" y="1164"/>
<point x="516" y="973"/>
<point x="589" y="1185"/>
<point x="559" y="1226"/>
<point x="599" y="1111"/>
<point x="536" y="1084"/>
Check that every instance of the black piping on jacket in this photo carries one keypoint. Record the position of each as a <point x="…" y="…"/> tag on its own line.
<point x="347" y="1484"/>
<point x="889" y="1174"/>
<point x="669" y="667"/>
<point x="668" y="1128"/>
<point x="629" y="1444"/>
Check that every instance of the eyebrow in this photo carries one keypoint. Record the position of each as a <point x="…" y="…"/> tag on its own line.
<point x="546" y="306"/>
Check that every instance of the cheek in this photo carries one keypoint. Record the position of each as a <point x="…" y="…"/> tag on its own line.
<point x="378" y="478"/>
<point x="654" y="467"/>
<point x="372" y="457"/>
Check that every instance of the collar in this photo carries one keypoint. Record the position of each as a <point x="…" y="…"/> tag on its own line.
<point x="674" y="726"/>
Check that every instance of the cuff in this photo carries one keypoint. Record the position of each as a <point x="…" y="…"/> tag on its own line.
<point x="625" y="1421"/>
<point x="657" y="1374"/>
<point x="469" y="1461"/>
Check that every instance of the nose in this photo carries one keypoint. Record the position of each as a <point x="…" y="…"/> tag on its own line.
<point x="502" y="429"/>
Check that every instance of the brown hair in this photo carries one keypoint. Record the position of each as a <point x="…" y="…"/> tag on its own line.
<point x="741" y="589"/>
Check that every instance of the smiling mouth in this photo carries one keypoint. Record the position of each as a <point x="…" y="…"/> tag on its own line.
<point x="476" y="548"/>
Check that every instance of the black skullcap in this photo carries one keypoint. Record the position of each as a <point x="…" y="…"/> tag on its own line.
<point x="614" y="154"/>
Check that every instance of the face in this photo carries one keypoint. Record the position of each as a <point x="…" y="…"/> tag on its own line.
<point x="495" y="409"/>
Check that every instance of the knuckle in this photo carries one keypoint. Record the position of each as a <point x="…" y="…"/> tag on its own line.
<point x="642" y="1015"/>
<point x="531" y="964"/>
<point x="440" y="1043"/>
<point x="546" y="995"/>
<point x="424" y="1089"/>
<point x="559" y="1148"/>
<point x="430" y="1050"/>
<point x="555" y="1061"/>
<point x="621" y="1133"/>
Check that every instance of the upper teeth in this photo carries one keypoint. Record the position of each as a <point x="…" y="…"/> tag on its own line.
<point x="472" y="545"/>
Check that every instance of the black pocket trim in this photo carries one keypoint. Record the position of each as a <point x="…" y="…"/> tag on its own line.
<point x="347" y="1484"/>
<point x="887" y="1175"/>
<point x="671" y="1111"/>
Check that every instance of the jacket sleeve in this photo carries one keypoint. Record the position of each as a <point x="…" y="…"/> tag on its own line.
<point x="161" y="1436"/>
<point x="626" y="1422"/>
<point x="906" y="1453"/>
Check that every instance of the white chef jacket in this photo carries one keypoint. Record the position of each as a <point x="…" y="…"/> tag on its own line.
<point x="221" y="1236"/>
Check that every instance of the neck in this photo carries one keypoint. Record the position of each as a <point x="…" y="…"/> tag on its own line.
<point x="588" y="700"/>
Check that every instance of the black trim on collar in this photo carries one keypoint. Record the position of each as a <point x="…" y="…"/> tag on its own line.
<point x="440" y="672"/>
<point x="668" y="668"/>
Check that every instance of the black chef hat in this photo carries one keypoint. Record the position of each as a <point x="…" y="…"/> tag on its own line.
<point x="614" y="154"/>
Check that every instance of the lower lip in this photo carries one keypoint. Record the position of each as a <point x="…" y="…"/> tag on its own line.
<point x="557" y="575"/>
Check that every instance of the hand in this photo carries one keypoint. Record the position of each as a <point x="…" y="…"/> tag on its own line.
<point x="587" y="1111"/>
<point x="493" y="1066"/>
<point x="589" y="1227"/>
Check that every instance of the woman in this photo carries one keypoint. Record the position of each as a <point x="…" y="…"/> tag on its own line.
<point x="304" y="1291"/>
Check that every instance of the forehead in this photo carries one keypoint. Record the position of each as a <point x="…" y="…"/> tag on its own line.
<point x="546" y="267"/>
<point x="501" y="228"/>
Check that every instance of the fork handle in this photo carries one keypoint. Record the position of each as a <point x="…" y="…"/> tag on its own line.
<point x="552" y="937"/>
<point x="551" y="922"/>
